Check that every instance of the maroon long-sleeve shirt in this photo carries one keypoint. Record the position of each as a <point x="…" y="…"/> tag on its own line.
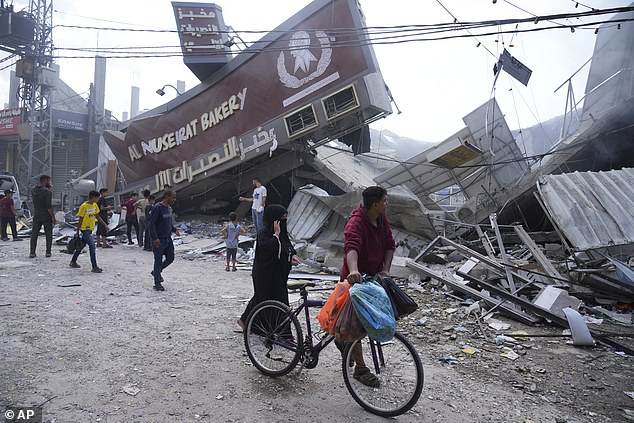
<point x="369" y="241"/>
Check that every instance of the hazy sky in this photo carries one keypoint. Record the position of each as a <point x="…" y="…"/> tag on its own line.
<point x="435" y="83"/>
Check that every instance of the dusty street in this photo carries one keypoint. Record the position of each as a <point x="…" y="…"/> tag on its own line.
<point x="114" y="350"/>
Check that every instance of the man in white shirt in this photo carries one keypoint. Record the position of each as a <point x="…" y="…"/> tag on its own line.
<point x="259" y="201"/>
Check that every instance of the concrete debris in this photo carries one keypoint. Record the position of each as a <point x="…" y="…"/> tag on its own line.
<point x="529" y="286"/>
<point x="498" y="325"/>
<point x="131" y="389"/>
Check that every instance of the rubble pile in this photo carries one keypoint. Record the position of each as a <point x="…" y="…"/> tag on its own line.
<point x="522" y="283"/>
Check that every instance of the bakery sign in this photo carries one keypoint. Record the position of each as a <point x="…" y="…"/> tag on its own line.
<point x="238" y="112"/>
<point x="189" y="130"/>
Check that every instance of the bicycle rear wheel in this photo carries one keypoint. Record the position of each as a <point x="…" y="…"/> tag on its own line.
<point x="398" y="368"/>
<point x="273" y="338"/>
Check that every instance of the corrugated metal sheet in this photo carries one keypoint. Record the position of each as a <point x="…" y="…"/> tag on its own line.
<point x="592" y="209"/>
<point x="307" y="214"/>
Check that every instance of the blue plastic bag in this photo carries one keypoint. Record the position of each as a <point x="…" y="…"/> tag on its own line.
<point x="374" y="310"/>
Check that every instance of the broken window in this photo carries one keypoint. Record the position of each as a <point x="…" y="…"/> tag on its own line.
<point x="340" y="103"/>
<point x="301" y="121"/>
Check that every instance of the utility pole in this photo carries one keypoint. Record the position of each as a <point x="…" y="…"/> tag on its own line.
<point x="36" y="144"/>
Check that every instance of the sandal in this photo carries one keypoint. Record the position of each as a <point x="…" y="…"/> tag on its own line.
<point x="241" y="324"/>
<point x="365" y="376"/>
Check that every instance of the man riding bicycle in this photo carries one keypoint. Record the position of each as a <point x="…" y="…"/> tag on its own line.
<point x="368" y="249"/>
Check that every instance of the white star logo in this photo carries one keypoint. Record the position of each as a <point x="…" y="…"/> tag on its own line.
<point x="300" y="41"/>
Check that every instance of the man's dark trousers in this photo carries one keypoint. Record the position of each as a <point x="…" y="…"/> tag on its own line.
<point x="165" y="249"/>
<point x="48" y="231"/>
<point x="4" y="221"/>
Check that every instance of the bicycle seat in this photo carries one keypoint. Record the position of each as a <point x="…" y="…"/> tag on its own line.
<point x="300" y="285"/>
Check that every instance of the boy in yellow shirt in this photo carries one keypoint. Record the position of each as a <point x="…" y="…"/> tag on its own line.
<point x="88" y="214"/>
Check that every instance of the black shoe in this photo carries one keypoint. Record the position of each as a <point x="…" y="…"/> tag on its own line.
<point x="130" y="243"/>
<point x="48" y="254"/>
<point x="5" y="239"/>
<point x="74" y="265"/>
<point x="32" y="255"/>
<point x="96" y="270"/>
<point x="152" y="273"/>
<point x="17" y="239"/>
<point x="158" y="287"/>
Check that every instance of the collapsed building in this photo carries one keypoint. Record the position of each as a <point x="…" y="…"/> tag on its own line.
<point x="255" y="117"/>
<point x="262" y="114"/>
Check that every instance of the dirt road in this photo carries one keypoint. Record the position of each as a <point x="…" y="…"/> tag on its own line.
<point x="114" y="350"/>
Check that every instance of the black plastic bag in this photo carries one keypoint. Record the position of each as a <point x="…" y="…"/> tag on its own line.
<point x="75" y="244"/>
<point x="402" y="303"/>
<point x="348" y="327"/>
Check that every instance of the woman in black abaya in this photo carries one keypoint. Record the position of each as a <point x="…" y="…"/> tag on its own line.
<point x="273" y="260"/>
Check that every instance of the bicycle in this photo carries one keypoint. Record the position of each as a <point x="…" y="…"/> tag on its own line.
<point x="275" y="345"/>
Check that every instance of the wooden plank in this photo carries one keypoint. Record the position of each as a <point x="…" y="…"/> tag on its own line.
<point x="537" y="253"/>
<point x="516" y="314"/>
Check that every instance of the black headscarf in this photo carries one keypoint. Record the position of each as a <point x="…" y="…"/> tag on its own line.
<point x="272" y="213"/>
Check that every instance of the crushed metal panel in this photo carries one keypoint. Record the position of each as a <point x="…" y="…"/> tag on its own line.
<point x="456" y="151"/>
<point x="592" y="209"/>
<point x="491" y="134"/>
<point x="484" y="186"/>
<point x="611" y="76"/>
<point x="307" y="215"/>
<point x="350" y="169"/>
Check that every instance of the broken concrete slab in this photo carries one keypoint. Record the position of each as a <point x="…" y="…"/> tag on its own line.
<point x="556" y="300"/>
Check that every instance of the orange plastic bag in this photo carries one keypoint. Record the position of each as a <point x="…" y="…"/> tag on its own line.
<point x="330" y="311"/>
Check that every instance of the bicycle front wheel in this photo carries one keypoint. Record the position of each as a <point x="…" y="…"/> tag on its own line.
<point x="273" y="338"/>
<point x="398" y="369"/>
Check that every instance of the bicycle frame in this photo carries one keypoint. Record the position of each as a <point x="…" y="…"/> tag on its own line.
<point x="305" y="305"/>
<point x="376" y="348"/>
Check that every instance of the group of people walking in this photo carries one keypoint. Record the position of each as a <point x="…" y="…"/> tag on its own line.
<point x="368" y="242"/>
<point x="153" y="223"/>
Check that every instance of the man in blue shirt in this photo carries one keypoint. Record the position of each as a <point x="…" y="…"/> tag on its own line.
<point x="160" y="227"/>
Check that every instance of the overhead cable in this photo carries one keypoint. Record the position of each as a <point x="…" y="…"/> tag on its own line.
<point x="357" y="43"/>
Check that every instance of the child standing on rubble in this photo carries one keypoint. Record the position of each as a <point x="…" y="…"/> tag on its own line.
<point x="230" y="233"/>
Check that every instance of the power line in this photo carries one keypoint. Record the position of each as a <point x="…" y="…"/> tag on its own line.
<point x="527" y="12"/>
<point x="343" y="31"/>
<point x="456" y="20"/>
<point x="360" y="43"/>
<point x="98" y="19"/>
<point x="577" y="4"/>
